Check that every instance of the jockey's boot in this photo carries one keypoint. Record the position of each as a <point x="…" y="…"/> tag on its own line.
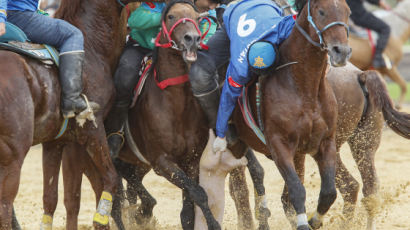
<point x="115" y="128"/>
<point x="71" y="69"/>
<point x="210" y="103"/>
<point x="378" y="60"/>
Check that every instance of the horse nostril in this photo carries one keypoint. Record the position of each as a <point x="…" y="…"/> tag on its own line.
<point x="188" y="38"/>
<point x="198" y="39"/>
<point x="336" y="49"/>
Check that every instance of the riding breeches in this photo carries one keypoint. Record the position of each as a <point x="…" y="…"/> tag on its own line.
<point x="363" y="18"/>
<point x="42" y="29"/>
<point x="126" y="74"/>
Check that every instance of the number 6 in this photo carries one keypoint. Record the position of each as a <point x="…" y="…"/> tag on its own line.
<point x="245" y="27"/>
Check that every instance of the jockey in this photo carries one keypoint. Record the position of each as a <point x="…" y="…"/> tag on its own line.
<point x="252" y="29"/>
<point x="362" y="17"/>
<point x="55" y="32"/>
<point x="145" y="24"/>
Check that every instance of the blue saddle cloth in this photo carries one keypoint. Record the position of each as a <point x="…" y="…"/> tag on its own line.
<point x="16" y="40"/>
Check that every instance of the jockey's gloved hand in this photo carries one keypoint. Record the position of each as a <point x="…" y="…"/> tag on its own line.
<point x="219" y="144"/>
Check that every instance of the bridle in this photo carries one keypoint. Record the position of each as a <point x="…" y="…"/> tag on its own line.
<point x="121" y="3"/>
<point x="321" y="44"/>
<point x="171" y="43"/>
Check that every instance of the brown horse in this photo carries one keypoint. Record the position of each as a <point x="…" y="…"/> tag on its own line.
<point x="298" y="104"/>
<point x="399" y="22"/>
<point x="34" y="89"/>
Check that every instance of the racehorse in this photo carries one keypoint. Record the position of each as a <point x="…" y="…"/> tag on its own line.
<point x="399" y="23"/>
<point x="298" y="106"/>
<point x="35" y="92"/>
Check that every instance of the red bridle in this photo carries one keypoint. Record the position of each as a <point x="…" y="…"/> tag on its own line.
<point x="171" y="43"/>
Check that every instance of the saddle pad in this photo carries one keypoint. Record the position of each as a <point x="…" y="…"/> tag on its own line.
<point x="13" y="33"/>
<point x="143" y="75"/>
<point x="243" y="102"/>
<point x="45" y="53"/>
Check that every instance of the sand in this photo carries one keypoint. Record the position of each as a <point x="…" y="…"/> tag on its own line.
<point x="392" y="163"/>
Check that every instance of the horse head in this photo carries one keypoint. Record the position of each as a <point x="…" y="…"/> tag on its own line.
<point x="327" y="22"/>
<point x="180" y="29"/>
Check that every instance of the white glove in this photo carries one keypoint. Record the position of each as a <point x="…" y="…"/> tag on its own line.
<point x="219" y="145"/>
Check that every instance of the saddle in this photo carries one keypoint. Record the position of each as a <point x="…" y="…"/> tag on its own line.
<point x="16" y="40"/>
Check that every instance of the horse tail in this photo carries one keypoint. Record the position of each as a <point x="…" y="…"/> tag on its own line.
<point x="398" y="121"/>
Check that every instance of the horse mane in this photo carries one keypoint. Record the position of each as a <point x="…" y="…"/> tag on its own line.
<point x="299" y="4"/>
<point x="163" y="15"/>
<point x="68" y="9"/>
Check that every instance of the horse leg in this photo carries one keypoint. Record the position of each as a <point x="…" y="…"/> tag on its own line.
<point x="348" y="187"/>
<point x="187" y="214"/>
<point x="72" y="178"/>
<point x="394" y="74"/>
<point x="98" y="150"/>
<point x="52" y="154"/>
<point x="299" y="161"/>
<point x="262" y="213"/>
<point x="145" y="210"/>
<point x="364" y="145"/>
<point x="175" y="175"/>
<point x="14" y="223"/>
<point x="326" y="160"/>
<point x="239" y="192"/>
<point x="11" y="161"/>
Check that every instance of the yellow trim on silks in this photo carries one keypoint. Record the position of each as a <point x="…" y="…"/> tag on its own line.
<point x="103" y="209"/>
<point x="47" y="219"/>
<point x="3" y="12"/>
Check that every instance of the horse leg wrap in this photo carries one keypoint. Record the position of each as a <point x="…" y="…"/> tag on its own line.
<point x="46" y="222"/>
<point x="103" y="209"/>
<point x="301" y="220"/>
<point x="260" y="203"/>
<point x="316" y="220"/>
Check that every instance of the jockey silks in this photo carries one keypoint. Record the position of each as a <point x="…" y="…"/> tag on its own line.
<point x="246" y="22"/>
<point x="18" y="5"/>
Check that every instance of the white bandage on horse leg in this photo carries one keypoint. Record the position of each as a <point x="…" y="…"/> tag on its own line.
<point x="103" y="209"/>
<point x="301" y="219"/>
<point x="318" y="217"/>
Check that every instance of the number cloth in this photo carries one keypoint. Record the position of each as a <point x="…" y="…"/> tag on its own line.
<point x="246" y="22"/>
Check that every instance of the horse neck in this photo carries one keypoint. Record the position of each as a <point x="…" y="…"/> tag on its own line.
<point x="99" y="20"/>
<point x="170" y="64"/>
<point x="312" y="62"/>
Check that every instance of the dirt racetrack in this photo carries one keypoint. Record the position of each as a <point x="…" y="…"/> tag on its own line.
<point x="392" y="163"/>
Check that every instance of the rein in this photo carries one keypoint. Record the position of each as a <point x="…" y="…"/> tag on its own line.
<point x="404" y="18"/>
<point x="121" y="3"/>
<point x="321" y="44"/>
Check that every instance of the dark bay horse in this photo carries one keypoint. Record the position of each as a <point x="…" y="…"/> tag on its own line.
<point x="298" y="106"/>
<point x="34" y="91"/>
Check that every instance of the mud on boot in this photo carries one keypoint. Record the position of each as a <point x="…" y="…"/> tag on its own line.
<point x="115" y="143"/>
<point x="71" y="69"/>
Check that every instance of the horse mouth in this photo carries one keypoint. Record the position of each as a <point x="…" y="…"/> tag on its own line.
<point x="189" y="55"/>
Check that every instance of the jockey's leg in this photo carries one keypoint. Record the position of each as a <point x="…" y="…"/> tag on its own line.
<point x="368" y="20"/>
<point x="203" y="74"/>
<point x="125" y="79"/>
<point x="70" y="42"/>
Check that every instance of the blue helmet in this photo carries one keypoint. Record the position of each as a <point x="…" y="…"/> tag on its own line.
<point x="261" y="55"/>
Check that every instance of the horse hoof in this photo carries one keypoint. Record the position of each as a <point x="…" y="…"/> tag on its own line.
<point x="263" y="226"/>
<point x="214" y="225"/>
<point x="303" y="227"/>
<point x="314" y="223"/>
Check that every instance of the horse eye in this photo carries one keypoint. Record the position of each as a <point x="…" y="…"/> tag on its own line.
<point x="170" y="17"/>
<point x="322" y="13"/>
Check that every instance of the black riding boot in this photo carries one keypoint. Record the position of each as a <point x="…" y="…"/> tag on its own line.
<point x="210" y="103"/>
<point x="116" y="120"/>
<point x="71" y="69"/>
<point x="378" y="60"/>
